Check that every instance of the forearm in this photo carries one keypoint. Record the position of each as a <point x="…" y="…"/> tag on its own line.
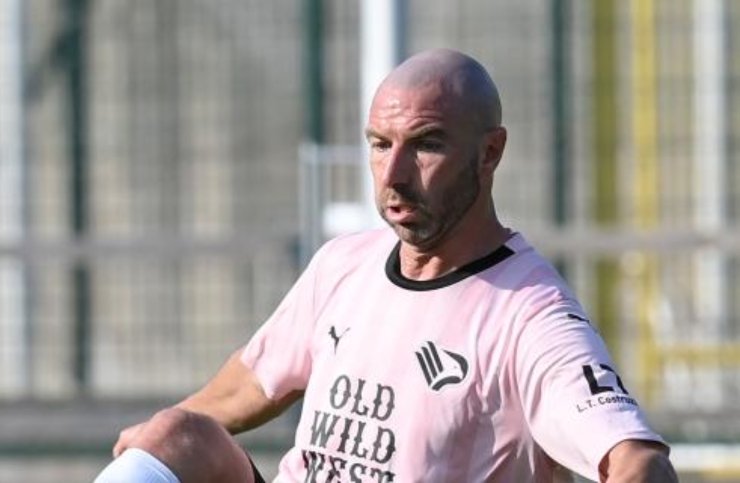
<point x="638" y="462"/>
<point x="235" y="398"/>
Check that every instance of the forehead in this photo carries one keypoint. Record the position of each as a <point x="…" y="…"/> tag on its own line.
<point x="399" y="109"/>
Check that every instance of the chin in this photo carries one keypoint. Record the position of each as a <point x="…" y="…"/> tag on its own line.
<point x="420" y="242"/>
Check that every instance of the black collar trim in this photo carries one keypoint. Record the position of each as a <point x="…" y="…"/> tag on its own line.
<point x="393" y="270"/>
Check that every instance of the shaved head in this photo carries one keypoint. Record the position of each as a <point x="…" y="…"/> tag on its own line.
<point x="435" y="136"/>
<point x="459" y="78"/>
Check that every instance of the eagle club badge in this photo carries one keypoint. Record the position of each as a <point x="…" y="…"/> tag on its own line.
<point x="440" y="366"/>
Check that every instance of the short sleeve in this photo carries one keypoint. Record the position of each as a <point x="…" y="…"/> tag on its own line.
<point x="574" y="400"/>
<point x="279" y="353"/>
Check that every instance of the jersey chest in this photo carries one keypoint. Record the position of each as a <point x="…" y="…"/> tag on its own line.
<point x="399" y="377"/>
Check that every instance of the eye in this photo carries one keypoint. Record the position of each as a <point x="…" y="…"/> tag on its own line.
<point x="430" y="146"/>
<point x="380" y="145"/>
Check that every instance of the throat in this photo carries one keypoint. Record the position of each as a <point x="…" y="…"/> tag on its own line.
<point x="421" y="266"/>
<point x="432" y="276"/>
<point x="416" y="263"/>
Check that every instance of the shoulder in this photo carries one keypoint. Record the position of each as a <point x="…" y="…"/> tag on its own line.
<point x="530" y="276"/>
<point x="350" y="250"/>
<point x="538" y="295"/>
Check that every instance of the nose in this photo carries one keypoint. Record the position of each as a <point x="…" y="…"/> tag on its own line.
<point x="397" y="167"/>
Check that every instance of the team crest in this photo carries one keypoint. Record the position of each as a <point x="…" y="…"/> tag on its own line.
<point x="441" y="367"/>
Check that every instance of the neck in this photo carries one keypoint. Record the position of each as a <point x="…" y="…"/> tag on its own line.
<point x="472" y="238"/>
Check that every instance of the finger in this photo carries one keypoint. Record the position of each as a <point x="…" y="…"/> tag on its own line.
<point x="118" y="448"/>
<point x="124" y="439"/>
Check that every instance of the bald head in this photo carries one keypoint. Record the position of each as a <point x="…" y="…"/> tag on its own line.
<point x="460" y="79"/>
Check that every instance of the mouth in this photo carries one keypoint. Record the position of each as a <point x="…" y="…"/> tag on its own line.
<point x="399" y="213"/>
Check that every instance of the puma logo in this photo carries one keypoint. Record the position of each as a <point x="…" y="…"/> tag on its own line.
<point x="578" y="317"/>
<point x="335" y="337"/>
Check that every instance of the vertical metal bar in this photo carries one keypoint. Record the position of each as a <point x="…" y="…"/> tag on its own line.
<point x="313" y="67"/>
<point x="560" y="16"/>
<point x="76" y="55"/>
<point x="605" y="161"/>
<point x="77" y="115"/>
<point x="732" y="181"/>
<point x="310" y="187"/>
<point x="710" y="173"/>
<point x="645" y="181"/>
<point x="82" y="329"/>
<point x="29" y="282"/>
<point x="15" y="323"/>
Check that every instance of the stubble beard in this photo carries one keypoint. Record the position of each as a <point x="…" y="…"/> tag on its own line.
<point x="438" y="218"/>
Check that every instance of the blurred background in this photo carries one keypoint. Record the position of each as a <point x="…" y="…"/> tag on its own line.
<point x="168" y="166"/>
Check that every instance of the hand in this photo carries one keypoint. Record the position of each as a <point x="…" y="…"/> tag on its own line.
<point x="125" y="437"/>
<point x="195" y="447"/>
<point x="636" y="461"/>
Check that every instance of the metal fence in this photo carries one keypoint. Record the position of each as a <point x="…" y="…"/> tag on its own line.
<point x="167" y="165"/>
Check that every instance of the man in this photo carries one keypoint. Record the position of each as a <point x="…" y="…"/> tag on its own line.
<point x="442" y="350"/>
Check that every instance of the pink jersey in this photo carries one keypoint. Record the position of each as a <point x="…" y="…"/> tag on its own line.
<point x="490" y="373"/>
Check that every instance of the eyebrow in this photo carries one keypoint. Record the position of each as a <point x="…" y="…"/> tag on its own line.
<point x="430" y="131"/>
<point x="370" y="133"/>
<point x="433" y="131"/>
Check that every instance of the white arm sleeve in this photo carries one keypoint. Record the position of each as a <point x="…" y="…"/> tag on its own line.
<point x="136" y="466"/>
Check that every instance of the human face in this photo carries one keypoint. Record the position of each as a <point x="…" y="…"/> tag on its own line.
<point x="424" y="161"/>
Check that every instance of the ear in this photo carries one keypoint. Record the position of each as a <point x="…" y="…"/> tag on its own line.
<point x="493" y="148"/>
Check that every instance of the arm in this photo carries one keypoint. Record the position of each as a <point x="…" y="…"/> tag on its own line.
<point x="577" y="406"/>
<point x="233" y="397"/>
<point x="637" y="461"/>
